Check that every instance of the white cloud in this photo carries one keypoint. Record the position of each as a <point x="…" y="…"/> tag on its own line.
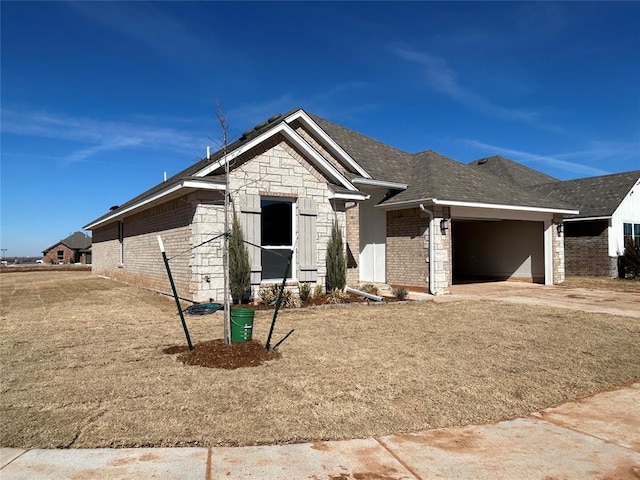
<point x="147" y="24"/>
<point x="444" y="79"/>
<point x="97" y="136"/>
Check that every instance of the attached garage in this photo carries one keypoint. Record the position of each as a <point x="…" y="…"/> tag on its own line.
<point x="485" y="250"/>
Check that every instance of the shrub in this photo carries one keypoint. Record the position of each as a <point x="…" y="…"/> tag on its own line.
<point x="336" y="261"/>
<point x="304" y="292"/>
<point x="239" y="267"/>
<point x="369" y="288"/>
<point x="269" y="296"/>
<point x="630" y="261"/>
<point x="400" y="293"/>
<point x="318" y="291"/>
<point x="337" y="296"/>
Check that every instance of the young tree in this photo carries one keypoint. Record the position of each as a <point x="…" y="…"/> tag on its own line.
<point x="336" y="261"/>
<point x="239" y="267"/>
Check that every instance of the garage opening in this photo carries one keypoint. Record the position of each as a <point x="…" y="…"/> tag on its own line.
<point x="497" y="250"/>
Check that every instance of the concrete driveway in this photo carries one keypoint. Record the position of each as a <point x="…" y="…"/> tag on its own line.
<point x="584" y="299"/>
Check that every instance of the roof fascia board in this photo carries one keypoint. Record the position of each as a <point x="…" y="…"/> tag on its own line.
<point x="380" y="183"/>
<point x="290" y="134"/>
<point x="349" y="196"/>
<point x="584" y="219"/>
<point x="185" y="184"/>
<point x="328" y="142"/>
<point x="453" y="203"/>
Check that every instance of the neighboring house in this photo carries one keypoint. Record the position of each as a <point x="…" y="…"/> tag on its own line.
<point x="76" y="248"/>
<point x="609" y="215"/>
<point x="419" y="220"/>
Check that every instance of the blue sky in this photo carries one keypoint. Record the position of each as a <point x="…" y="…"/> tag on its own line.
<point x="99" y="99"/>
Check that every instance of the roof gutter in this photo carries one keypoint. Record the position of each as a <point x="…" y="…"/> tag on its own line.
<point x="379" y="183"/>
<point x="349" y="196"/>
<point x="583" y="219"/>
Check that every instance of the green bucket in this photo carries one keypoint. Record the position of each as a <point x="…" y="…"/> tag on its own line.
<point x="241" y="324"/>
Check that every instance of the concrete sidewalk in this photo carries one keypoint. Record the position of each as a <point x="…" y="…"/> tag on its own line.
<point x="594" y="438"/>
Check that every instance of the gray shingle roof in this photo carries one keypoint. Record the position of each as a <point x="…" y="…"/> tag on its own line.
<point x="594" y="196"/>
<point x="381" y="161"/>
<point x="428" y="174"/>
<point x="437" y="176"/>
<point x="190" y="171"/>
<point x="75" y="241"/>
<point x="511" y="171"/>
<point x="431" y="175"/>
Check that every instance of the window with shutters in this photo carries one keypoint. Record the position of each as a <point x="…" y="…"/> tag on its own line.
<point x="277" y="237"/>
<point x="276" y="228"/>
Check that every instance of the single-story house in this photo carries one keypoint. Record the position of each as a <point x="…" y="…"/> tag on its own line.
<point x="419" y="220"/>
<point x="76" y="248"/>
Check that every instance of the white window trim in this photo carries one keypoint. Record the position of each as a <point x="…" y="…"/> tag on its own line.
<point x="633" y="235"/>
<point x="294" y="237"/>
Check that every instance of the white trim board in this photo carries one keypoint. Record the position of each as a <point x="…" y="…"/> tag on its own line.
<point x="454" y="203"/>
<point x="292" y="136"/>
<point x="326" y="140"/>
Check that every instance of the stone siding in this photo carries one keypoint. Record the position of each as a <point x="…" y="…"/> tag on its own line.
<point x="320" y="149"/>
<point x="274" y="170"/>
<point x="443" y="251"/>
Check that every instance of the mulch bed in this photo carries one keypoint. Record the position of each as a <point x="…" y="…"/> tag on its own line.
<point x="321" y="301"/>
<point x="217" y="354"/>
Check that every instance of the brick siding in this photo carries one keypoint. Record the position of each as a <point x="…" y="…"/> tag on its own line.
<point x="142" y="263"/>
<point x="407" y="250"/>
<point x="586" y="248"/>
<point x="51" y="257"/>
<point x="353" y="243"/>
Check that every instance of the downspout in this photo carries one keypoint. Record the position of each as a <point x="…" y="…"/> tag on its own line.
<point x="432" y="262"/>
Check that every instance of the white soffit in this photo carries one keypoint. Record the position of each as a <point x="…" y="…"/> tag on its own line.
<point x="326" y="140"/>
<point x="296" y="139"/>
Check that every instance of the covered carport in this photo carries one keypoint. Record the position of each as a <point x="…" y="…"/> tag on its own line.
<point x="497" y="249"/>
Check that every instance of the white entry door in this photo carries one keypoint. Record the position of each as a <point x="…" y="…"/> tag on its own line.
<point x="373" y="232"/>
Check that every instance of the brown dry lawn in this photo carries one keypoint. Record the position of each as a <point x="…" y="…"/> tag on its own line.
<point x="603" y="283"/>
<point x="82" y="366"/>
